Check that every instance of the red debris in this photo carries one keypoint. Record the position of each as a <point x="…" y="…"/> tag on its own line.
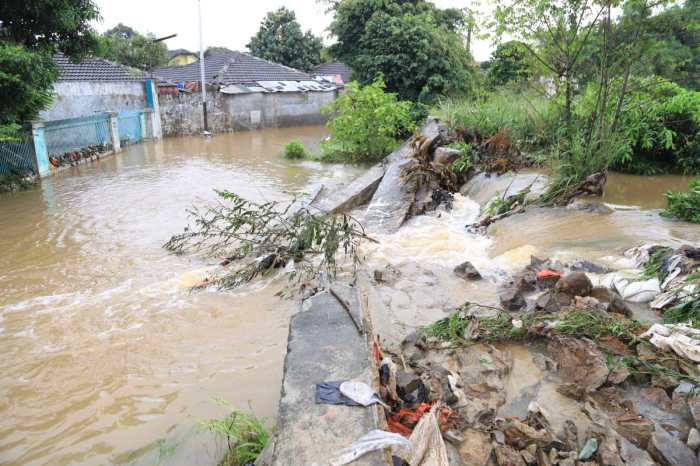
<point x="548" y="273"/>
<point x="404" y="420"/>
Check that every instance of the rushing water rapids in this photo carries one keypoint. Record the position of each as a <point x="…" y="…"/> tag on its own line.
<point x="108" y="359"/>
<point x="105" y="352"/>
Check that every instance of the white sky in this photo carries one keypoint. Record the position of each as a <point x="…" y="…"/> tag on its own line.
<point x="227" y="23"/>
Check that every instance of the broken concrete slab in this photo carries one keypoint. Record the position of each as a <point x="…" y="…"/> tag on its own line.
<point x="357" y="193"/>
<point x="484" y="186"/>
<point x="394" y="197"/>
<point x="323" y="345"/>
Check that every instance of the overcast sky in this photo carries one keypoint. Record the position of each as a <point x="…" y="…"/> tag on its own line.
<point x="228" y="23"/>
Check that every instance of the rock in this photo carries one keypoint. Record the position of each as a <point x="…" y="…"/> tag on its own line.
<point x="646" y="352"/>
<point x="467" y="271"/>
<point x="528" y="457"/>
<point x="476" y="448"/>
<point x="615" y="302"/>
<point x="582" y="265"/>
<point x="669" y="451"/>
<point x="508" y="456"/>
<point x="694" y="406"/>
<point x="634" y="456"/>
<point x="572" y="390"/>
<point x="525" y="281"/>
<point x="589" y="303"/>
<point x="444" y="156"/>
<point x="693" y="439"/>
<point x="511" y="299"/>
<point x="580" y="361"/>
<point x="618" y="375"/>
<point x="613" y="345"/>
<point x="589" y="206"/>
<point x="551" y="302"/>
<point x="588" y="449"/>
<point x="657" y="396"/>
<point x="410" y="388"/>
<point x="387" y="275"/>
<point x="636" y="429"/>
<point x="545" y="363"/>
<point x="543" y="458"/>
<point x="575" y="284"/>
<point x="520" y="435"/>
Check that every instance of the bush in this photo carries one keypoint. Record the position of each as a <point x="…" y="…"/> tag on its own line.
<point x="530" y="119"/>
<point x="464" y="162"/>
<point x="659" y="126"/>
<point x="685" y="205"/>
<point x="366" y="123"/>
<point x="295" y="150"/>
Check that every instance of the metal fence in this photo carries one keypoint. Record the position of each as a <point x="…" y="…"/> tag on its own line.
<point x="74" y="134"/>
<point x="130" y="126"/>
<point x="18" y="156"/>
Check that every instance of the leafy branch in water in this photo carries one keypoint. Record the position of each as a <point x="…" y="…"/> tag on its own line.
<point x="256" y="238"/>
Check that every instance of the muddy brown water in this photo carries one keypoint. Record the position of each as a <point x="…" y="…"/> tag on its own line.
<point x="107" y="357"/>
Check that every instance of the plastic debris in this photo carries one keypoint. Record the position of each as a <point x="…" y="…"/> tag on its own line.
<point x="637" y="291"/>
<point x="387" y="377"/>
<point x="588" y="449"/>
<point x="427" y="446"/>
<point x="329" y="393"/>
<point x="680" y="338"/>
<point x="360" y="392"/>
<point x="372" y="441"/>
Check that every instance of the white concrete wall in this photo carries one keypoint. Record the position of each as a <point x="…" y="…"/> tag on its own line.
<point x="82" y="98"/>
<point x="182" y="113"/>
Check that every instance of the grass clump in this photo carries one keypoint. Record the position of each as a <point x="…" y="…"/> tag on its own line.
<point x="684" y="205"/>
<point x="295" y="150"/>
<point x="459" y="327"/>
<point x="593" y="325"/>
<point x="245" y="436"/>
<point x="464" y="162"/>
<point x="686" y="312"/>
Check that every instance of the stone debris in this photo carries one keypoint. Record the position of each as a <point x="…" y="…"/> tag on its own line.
<point x="467" y="271"/>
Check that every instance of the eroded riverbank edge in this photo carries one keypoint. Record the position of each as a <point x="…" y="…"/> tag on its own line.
<point x="387" y="210"/>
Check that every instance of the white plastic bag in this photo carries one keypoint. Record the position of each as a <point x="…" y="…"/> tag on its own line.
<point x="637" y="291"/>
<point x="360" y="392"/>
<point x="681" y="339"/>
<point x="372" y="441"/>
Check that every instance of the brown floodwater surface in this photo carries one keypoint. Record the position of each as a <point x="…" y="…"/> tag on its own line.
<point x="107" y="357"/>
<point x="643" y="191"/>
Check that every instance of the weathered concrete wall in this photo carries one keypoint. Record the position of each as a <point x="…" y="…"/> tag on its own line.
<point x="182" y="113"/>
<point x="83" y="98"/>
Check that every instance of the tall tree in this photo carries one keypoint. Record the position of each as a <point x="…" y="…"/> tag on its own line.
<point x="31" y="31"/>
<point x="413" y="44"/>
<point x="281" y="40"/>
<point x="509" y="62"/>
<point x="124" y="45"/>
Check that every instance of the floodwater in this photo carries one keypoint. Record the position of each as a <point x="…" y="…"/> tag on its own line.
<point x="107" y="357"/>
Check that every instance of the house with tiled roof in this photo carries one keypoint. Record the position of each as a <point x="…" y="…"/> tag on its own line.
<point x="243" y="92"/>
<point x="336" y="72"/>
<point x="94" y="85"/>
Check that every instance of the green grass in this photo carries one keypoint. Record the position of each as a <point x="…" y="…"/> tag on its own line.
<point x="688" y="311"/>
<point x="245" y="435"/>
<point x="491" y="329"/>
<point x="529" y="118"/>
<point x="593" y="325"/>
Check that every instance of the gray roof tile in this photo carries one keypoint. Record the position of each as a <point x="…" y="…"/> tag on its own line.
<point x="94" y="69"/>
<point x="333" y="69"/>
<point x="231" y="67"/>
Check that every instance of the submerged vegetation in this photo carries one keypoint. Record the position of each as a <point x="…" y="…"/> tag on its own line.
<point x="685" y="205"/>
<point x="244" y="434"/>
<point x="295" y="150"/>
<point x="257" y="238"/>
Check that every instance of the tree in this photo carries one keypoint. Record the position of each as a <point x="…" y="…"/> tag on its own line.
<point x="281" y="40"/>
<point x="50" y="25"/>
<point x="509" y="62"/>
<point x="124" y="45"/>
<point x="415" y="45"/>
<point x="31" y="31"/>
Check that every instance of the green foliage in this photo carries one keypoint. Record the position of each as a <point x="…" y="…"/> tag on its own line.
<point x="659" y="125"/>
<point x="685" y="205"/>
<point x="456" y="326"/>
<point x="26" y="86"/>
<point x="530" y="119"/>
<point x="294" y="150"/>
<point x="413" y="44"/>
<point x="14" y="181"/>
<point x="245" y="435"/>
<point x="593" y="325"/>
<point x="50" y="25"/>
<point x="510" y="62"/>
<point x="258" y="238"/>
<point x="688" y="311"/>
<point x="464" y="162"/>
<point x="124" y="45"/>
<point x="281" y="40"/>
<point x="366" y="123"/>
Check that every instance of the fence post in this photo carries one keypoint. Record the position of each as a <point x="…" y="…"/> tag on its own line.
<point x="41" y="155"/>
<point x="152" y="102"/>
<point x="114" y="131"/>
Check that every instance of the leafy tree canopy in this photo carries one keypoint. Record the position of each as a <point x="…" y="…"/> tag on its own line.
<point x="124" y="45"/>
<point x="281" y="40"/>
<point x="50" y="25"/>
<point x="510" y="62"/>
<point x="414" y="44"/>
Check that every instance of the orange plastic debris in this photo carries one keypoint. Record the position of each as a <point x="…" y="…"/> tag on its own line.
<point x="404" y="420"/>
<point x="548" y="273"/>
